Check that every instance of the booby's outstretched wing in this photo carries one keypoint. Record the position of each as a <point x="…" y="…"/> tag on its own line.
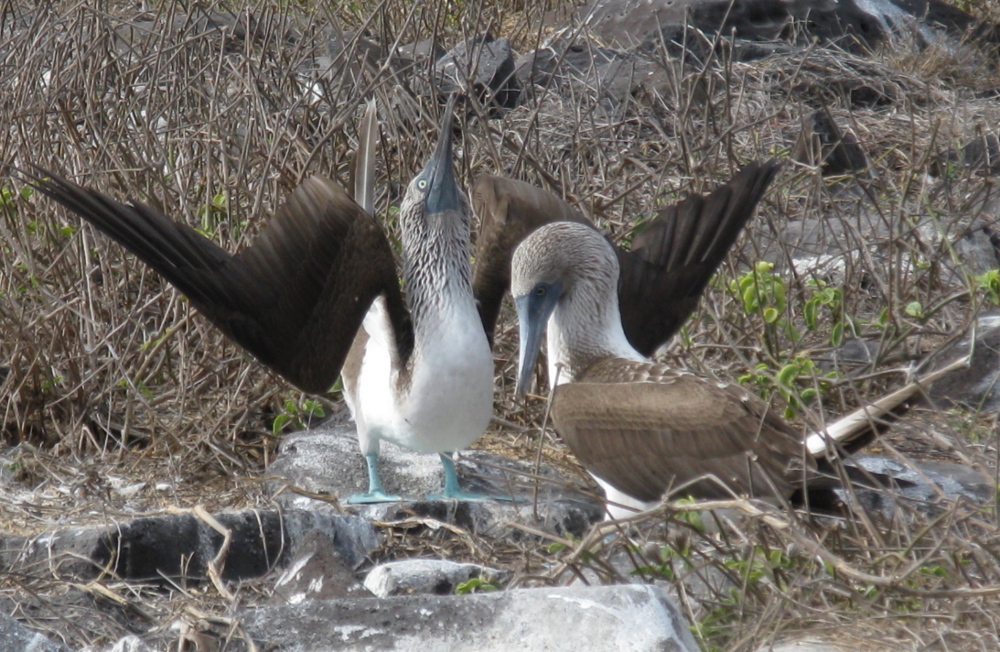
<point x="673" y="259"/>
<point x="294" y="299"/>
<point x="662" y="276"/>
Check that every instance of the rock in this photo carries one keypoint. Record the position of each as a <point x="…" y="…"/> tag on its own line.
<point x="976" y="387"/>
<point x="981" y="155"/>
<point x="328" y="461"/>
<point x="627" y="618"/>
<point x="420" y="52"/>
<point x="978" y="249"/>
<point x="481" y="65"/>
<point x="128" y="644"/>
<point x="181" y="545"/>
<point x="317" y="572"/>
<point x="855" y="25"/>
<point x="348" y="56"/>
<point x="426" y="576"/>
<point x="822" y="142"/>
<point x="927" y="485"/>
<point x="15" y="637"/>
<point x="584" y="67"/>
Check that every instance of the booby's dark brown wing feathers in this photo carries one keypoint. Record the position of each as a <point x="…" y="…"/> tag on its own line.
<point x="646" y="429"/>
<point x="663" y="275"/>
<point x="671" y="261"/>
<point x="509" y="211"/>
<point x="294" y="299"/>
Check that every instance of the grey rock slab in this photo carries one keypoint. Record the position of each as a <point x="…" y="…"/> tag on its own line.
<point x="178" y="545"/>
<point x="584" y="67"/>
<point x="978" y="386"/>
<point x="15" y="637"/>
<point x="327" y="461"/>
<point x="629" y="618"/>
<point x="426" y="577"/>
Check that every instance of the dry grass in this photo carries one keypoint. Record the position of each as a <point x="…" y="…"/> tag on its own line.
<point x="116" y="382"/>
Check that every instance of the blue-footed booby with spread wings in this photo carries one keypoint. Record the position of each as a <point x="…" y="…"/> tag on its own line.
<point x="420" y="372"/>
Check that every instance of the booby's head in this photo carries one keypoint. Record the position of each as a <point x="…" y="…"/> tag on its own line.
<point x="435" y="187"/>
<point x="571" y="270"/>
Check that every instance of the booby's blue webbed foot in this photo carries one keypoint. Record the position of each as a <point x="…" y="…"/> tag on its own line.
<point x="376" y="494"/>
<point x="451" y="490"/>
<point x="372" y="498"/>
<point x="469" y="496"/>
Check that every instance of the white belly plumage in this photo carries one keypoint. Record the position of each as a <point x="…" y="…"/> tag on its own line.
<point x="449" y="400"/>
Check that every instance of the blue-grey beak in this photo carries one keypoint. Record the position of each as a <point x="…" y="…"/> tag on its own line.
<point x="442" y="190"/>
<point x="533" y="312"/>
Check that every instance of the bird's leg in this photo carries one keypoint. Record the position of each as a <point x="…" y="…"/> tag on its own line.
<point x="376" y="494"/>
<point x="452" y="491"/>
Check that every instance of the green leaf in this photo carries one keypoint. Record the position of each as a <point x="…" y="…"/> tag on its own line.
<point x="914" y="309"/>
<point x="279" y="423"/>
<point x="788" y="374"/>
<point x="771" y="315"/>
<point x="837" y="334"/>
<point x="809" y="312"/>
<point x="780" y="292"/>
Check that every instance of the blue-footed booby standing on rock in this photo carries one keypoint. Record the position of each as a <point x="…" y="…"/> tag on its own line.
<point x="644" y="429"/>
<point x="420" y="374"/>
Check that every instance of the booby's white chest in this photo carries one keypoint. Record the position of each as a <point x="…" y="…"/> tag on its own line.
<point x="448" y="401"/>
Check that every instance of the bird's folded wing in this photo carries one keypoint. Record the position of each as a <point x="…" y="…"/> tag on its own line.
<point x="654" y="435"/>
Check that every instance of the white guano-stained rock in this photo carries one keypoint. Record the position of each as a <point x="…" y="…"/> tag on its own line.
<point x="425" y="576"/>
<point x="632" y="618"/>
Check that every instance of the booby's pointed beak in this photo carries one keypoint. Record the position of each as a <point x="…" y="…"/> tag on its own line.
<point x="442" y="191"/>
<point x="533" y="312"/>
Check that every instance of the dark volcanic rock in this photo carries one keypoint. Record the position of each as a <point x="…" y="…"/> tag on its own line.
<point x="482" y="65"/>
<point x="583" y="67"/>
<point x="610" y="618"/>
<point x="978" y="386"/>
<point x="823" y="143"/>
<point x="317" y="572"/>
<point x="851" y="24"/>
<point x="183" y="545"/>
<point x="981" y="156"/>
<point x="927" y="485"/>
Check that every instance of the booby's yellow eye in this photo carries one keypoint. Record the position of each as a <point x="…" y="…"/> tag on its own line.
<point x="422" y="184"/>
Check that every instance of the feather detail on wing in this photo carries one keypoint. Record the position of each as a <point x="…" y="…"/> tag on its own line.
<point x="672" y="260"/>
<point x="647" y="429"/>
<point x="294" y="299"/>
